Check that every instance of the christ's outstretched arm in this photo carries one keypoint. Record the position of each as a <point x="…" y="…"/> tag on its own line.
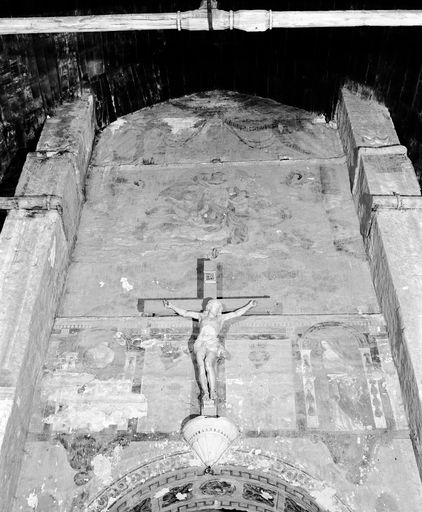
<point x="241" y="311"/>
<point x="182" y="312"/>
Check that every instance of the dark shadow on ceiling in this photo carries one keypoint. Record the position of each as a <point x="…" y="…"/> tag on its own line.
<point x="131" y="70"/>
<point x="304" y="68"/>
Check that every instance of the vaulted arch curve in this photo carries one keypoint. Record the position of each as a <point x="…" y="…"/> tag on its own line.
<point x="249" y="481"/>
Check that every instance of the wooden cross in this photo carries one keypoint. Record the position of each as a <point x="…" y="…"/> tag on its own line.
<point x="209" y="285"/>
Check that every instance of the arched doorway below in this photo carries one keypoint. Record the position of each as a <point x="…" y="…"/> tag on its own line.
<point x="278" y="487"/>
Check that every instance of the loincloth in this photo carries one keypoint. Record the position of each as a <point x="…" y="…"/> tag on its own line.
<point x="209" y="344"/>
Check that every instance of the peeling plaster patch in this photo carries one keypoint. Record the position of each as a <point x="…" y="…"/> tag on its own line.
<point x="259" y="256"/>
<point x="32" y="501"/>
<point x="178" y="124"/>
<point x="117" y="454"/>
<point x="117" y="125"/>
<point x="81" y="401"/>
<point x="6" y="405"/>
<point x="69" y="360"/>
<point x="52" y="255"/>
<point x="125" y="284"/>
<point x="102" y="469"/>
<point x="325" y="498"/>
<point x="150" y="343"/>
<point x="161" y="492"/>
<point x="65" y="379"/>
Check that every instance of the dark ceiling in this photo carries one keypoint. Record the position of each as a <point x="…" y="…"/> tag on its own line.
<point x="130" y="70"/>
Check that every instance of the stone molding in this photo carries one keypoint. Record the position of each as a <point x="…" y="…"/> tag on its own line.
<point x="243" y="324"/>
<point x="277" y="478"/>
<point x="363" y="123"/>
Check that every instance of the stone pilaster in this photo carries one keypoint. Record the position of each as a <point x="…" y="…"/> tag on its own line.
<point x="363" y="124"/>
<point x="35" y="248"/>
<point x="389" y="205"/>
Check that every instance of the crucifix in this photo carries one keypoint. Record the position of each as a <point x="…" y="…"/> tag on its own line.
<point x="207" y="347"/>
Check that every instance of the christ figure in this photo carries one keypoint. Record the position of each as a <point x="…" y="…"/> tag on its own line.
<point x="207" y="347"/>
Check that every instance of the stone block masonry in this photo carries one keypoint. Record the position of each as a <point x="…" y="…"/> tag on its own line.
<point x="35" y="248"/>
<point x="389" y="207"/>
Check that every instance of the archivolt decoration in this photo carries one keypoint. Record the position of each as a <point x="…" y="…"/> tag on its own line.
<point x="245" y="481"/>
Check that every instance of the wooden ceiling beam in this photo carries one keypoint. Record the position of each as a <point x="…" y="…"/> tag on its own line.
<point x="247" y="20"/>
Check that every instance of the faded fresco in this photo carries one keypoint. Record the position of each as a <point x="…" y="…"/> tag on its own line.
<point x="217" y="126"/>
<point x="269" y="203"/>
<point x="329" y="375"/>
<point x="344" y="383"/>
<point x="259" y="226"/>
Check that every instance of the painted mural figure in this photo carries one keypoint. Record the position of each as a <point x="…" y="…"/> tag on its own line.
<point x="207" y="347"/>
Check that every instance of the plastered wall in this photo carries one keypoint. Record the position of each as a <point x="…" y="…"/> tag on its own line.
<point x="261" y="190"/>
<point x="310" y="379"/>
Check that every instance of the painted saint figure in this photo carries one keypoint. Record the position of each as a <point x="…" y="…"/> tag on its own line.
<point x="207" y="347"/>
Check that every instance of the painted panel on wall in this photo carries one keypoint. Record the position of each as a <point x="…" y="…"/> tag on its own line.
<point x="143" y="231"/>
<point x="279" y="373"/>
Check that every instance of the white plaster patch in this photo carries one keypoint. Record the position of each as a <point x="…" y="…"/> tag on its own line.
<point x="82" y="402"/>
<point x="125" y="284"/>
<point x="117" y="125"/>
<point x="120" y="338"/>
<point x="259" y="255"/>
<point x="319" y="119"/>
<point x="178" y="124"/>
<point x="325" y="498"/>
<point x="117" y="455"/>
<point x="6" y="405"/>
<point x="150" y="343"/>
<point x="101" y="283"/>
<point x="69" y="360"/>
<point x="374" y="140"/>
<point x="32" y="501"/>
<point x="101" y="466"/>
<point x="52" y="255"/>
<point x="161" y="492"/>
<point x="64" y="379"/>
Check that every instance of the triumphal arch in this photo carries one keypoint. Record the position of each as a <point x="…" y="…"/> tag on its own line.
<point x="306" y="227"/>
